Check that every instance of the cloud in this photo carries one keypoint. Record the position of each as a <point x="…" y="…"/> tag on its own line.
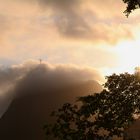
<point x="67" y="17"/>
<point x="29" y="28"/>
<point x="11" y="74"/>
<point x="84" y="20"/>
<point x="61" y="4"/>
<point x="50" y="76"/>
<point x="73" y="20"/>
<point x="67" y="72"/>
<point x="72" y="30"/>
<point x="38" y="89"/>
<point x="9" y="77"/>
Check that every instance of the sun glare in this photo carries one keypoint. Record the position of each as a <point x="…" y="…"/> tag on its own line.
<point x="128" y="55"/>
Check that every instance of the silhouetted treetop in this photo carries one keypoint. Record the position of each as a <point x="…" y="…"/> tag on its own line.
<point x="131" y="5"/>
<point x="102" y="115"/>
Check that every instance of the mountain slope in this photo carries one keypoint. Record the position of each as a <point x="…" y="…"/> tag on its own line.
<point x="28" y="112"/>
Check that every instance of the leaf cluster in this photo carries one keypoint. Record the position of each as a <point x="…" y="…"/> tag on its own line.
<point x="102" y="115"/>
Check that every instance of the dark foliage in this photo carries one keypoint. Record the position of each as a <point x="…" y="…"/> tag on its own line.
<point x="102" y="115"/>
<point x="131" y="5"/>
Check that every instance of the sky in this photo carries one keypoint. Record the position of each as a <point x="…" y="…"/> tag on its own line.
<point x="79" y="42"/>
<point x="93" y="37"/>
<point x="91" y="33"/>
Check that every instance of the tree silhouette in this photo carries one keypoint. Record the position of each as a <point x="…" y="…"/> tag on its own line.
<point x="131" y="5"/>
<point x="100" y="116"/>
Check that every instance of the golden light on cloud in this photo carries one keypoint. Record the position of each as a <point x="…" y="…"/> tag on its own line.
<point x="78" y="42"/>
<point x="81" y="34"/>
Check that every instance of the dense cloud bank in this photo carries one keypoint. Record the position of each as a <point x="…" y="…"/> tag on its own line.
<point x="81" y="19"/>
<point x="36" y="90"/>
<point x="69" y="20"/>
<point x="76" y="31"/>
<point x="33" y="89"/>
<point x="73" y="19"/>
<point x="38" y="75"/>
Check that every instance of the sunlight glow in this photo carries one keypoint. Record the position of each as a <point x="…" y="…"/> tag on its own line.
<point x="129" y="55"/>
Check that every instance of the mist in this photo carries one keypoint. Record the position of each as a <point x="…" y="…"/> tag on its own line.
<point x="37" y="90"/>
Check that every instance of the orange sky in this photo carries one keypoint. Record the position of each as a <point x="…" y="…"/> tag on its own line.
<point x="91" y="33"/>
